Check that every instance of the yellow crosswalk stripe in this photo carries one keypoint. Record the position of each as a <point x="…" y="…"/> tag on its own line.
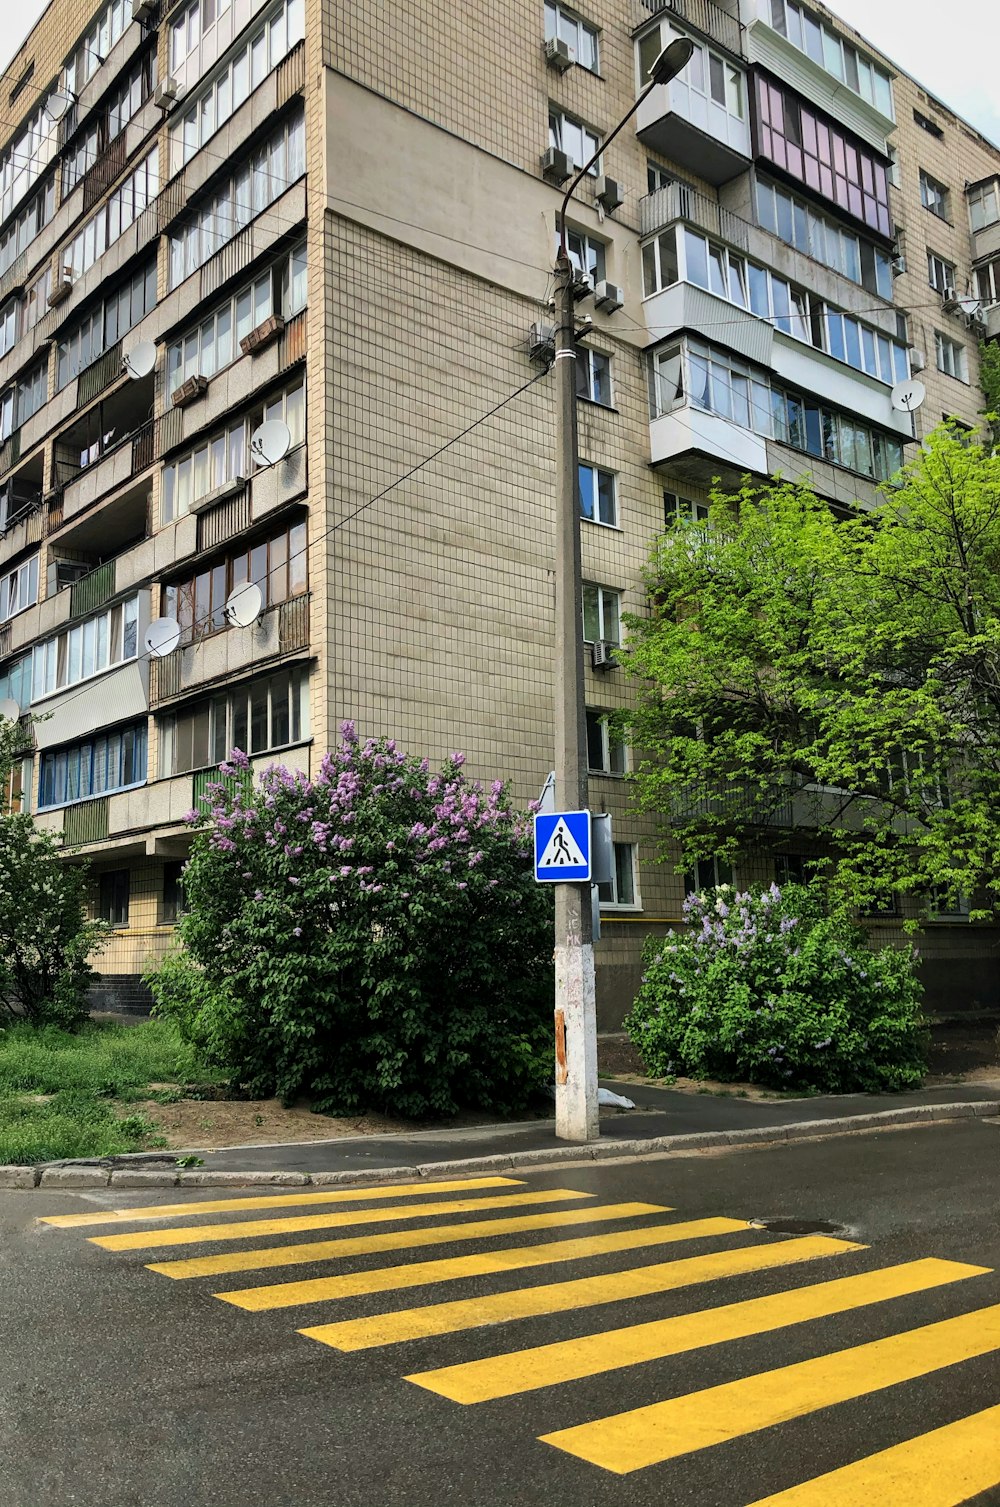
<point x="278" y="1201"/>
<point x="423" y="1273"/>
<point x="943" y="1468"/>
<point x="566" y="1297"/>
<point x="614" y="1349"/>
<point x="140" y="1240"/>
<point x="662" y="1431"/>
<point x="395" y="1240"/>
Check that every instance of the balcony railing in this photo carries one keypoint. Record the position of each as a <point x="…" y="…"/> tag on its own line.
<point x="705" y="16"/>
<point x="86" y="822"/>
<point x="99" y="375"/>
<point x="92" y="590"/>
<point x="680" y="202"/>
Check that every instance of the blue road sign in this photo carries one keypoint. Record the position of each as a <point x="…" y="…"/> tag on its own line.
<point x="562" y="847"/>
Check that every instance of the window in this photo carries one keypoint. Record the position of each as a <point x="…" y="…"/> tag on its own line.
<point x="984" y="204"/>
<point x="682" y="510"/>
<point x="933" y="195"/>
<point x="25" y="398"/>
<point x="598" y="501"/>
<point x="96" y="43"/>
<point x="15" y="682"/>
<point x="926" y="124"/>
<point x="593" y="376"/>
<point x="801" y="224"/>
<point x="222" y="456"/>
<point x="15" y="794"/>
<point x="571" y="136"/>
<point x="657" y="177"/>
<point x="172" y="906"/>
<point x="601" y="614"/>
<point x="29" y="223"/>
<point x="136" y="297"/>
<point x="622" y="891"/>
<point x="36" y="300"/>
<point x="293" y="281"/>
<point x="190" y="26"/>
<point x="793" y="868"/>
<point x="112" y="761"/>
<point x="112" y="904"/>
<point x="605" y="751"/>
<point x="19" y="588"/>
<point x="940" y="274"/>
<point x="112" y="220"/>
<point x="811" y="148"/>
<point x="580" y="38"/>
<point x="24" y="161"/>
<point x="805" y="30"/>
<point x="87" y="648"/>
<point x="708" y="84"/>
<point x="257" y="55"/>
<point x="660" y="266"/>
<point x="215" y="343"/>
<point x="108" y="123"/>
<point x="262" y="179"/>
<point x="8" y="326"/>
<point x="950" y="356"/>
<point x="587" y="255"/>
<point x="707" y="874"/>
<point x="263" y="714"/>
<point x="945" y="905"/>
<point x="894" y="177"/>
<point x="277" y="565"/>
<point x="988" y="282"/>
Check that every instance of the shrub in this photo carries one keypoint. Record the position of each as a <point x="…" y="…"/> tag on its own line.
<point x="73" y="1123"/>
<point x="372" y="938"/>
<point x="45" y="938"/>
<point x="764" y="986"/>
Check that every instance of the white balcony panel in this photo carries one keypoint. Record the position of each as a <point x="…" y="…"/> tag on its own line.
<point x="687" y="307"/>
<point x="782" y="58"/>
<point x="690" y="430"/>
<point x="215" y="41"/>
<point x="692" y="130"/>
<point x="806" y="369"/>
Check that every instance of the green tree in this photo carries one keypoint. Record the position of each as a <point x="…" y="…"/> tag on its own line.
<point x="45" y="937"/>
<point x="836" y="677"/>
<point x="371" y="938"/>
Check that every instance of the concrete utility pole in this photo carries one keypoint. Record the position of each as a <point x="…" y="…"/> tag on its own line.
<point x="576" y="1004"/>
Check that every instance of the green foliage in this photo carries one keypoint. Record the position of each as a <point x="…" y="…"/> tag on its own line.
<point x="765" y="987"/>
<point x="73" y="1123"/>
<point x="99" y="1059"/>
<point x="45" y="938"/>
<point x="989" y="375"/>
<point x="838" y="677"/>
<point x="369" y="939"/>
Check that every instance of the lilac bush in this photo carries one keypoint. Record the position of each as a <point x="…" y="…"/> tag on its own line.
<point x="369" y="938"/>
<point x="764" y="986"/>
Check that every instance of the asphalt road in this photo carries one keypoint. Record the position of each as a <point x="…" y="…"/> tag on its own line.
<point x="122" y="1386"/>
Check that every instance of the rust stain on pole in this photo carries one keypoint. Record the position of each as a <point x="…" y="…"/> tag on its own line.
<point x="562" y="1073"/>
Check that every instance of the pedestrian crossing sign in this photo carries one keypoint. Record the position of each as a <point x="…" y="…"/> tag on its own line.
<point x="562" y="847"/>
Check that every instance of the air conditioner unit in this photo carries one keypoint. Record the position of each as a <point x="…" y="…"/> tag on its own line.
<point x="542" y="343"/>
<point x="917" y="359"/>
<point x="556" y="165"/>
<point x="949" y="299"/>
<point x="166" y="94"/>
<point x="602" y="655"/>
<point x="62" y="286"/>
<point x="608" y="296"/>
<point x="144" y="11"/>
<point x="609" y="194"/>
<point x="559" y="54"/>
<point x="898" y="265"/>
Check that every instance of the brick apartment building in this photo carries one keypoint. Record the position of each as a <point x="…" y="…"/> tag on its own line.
<point x="343" y="217"/>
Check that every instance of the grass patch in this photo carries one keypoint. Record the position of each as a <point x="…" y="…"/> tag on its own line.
<point x="101" y="1059"/>
<point x="72" y="1123"/>
<point x="85" y="1072"/>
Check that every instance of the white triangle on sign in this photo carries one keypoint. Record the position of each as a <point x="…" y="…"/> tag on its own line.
<point x="562" y="851"/>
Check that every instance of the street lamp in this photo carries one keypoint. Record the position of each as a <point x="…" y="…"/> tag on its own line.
<point x="575" y="1000"/>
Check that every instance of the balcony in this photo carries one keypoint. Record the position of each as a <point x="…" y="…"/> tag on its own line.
<point x="701" y="119"/>
<point x="282" y="630"/>
<point x="705" y="16"/>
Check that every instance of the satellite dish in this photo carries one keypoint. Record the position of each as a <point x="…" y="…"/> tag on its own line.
<point x="244" y="605"/>
<point x="908" y="396"/>
<point x="140" y="360"/>
<point x="162" y="636"/>
<point x="269" y="442"/>
<point x="969" y="305"/>
<point x="58" y="103"/>
<point x="9" y="710"/>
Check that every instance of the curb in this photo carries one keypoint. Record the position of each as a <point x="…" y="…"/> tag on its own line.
<point x="67" y="1175"/>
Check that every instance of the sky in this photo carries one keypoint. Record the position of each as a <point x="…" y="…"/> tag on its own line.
<point x="951" y="50"/>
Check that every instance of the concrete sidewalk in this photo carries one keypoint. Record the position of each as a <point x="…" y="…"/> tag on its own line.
<point x="659" y="1113"/>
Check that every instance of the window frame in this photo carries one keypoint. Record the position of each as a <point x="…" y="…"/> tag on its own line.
<point x="603" y="609"/>
<point x="595" y="368"/>
<point x="934" y="196"/>
<point x="559" y="18"/>
<point x="624" y="853"/>
<point x="950" y="357"/>
<point x="590" y="140"/>
<point x="693" y="884"/>
<point x="598" y="730"/>
<point x="113" y="897"/>
<point x="601" y="481"/>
